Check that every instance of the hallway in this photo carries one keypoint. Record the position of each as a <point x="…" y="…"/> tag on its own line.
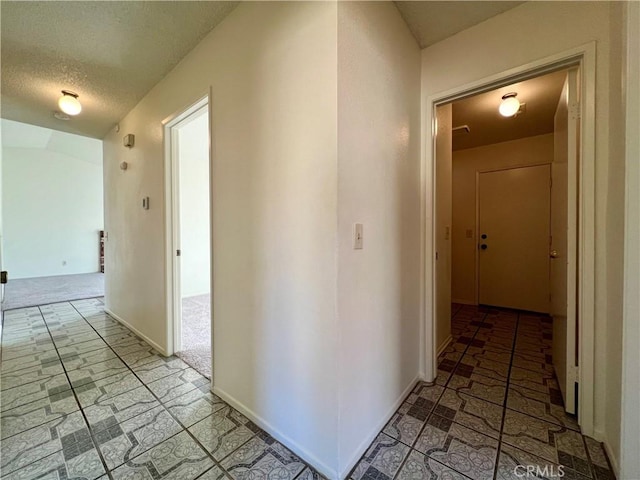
<point x="495" y="397"/>
<point x="82" y="396"/>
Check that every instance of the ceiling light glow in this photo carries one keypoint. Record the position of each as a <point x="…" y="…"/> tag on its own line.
<point x="69" y="103"/>
<point x="509" y="106"/>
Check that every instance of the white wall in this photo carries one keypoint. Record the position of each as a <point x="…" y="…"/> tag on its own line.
<point x="52" y="201"/>
<point x="272" y="70"/>
<point x="378" y="186"/>
<point x="516" y="35"/>
<point x="195" y="245"/>
<point x="466" y="163"/>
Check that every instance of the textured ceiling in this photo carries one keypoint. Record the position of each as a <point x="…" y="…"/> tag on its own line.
<point x="109" y="52"/>
<point x="431" y="22"/>
<point x="480" y="112"/>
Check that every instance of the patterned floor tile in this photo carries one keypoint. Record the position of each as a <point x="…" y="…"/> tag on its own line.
<point x="37" y="413"/>
<point x="465" y="451"/>
<point x="85" y="466"/>
<point x="177" y="384"/>
<point x="223" y="432"/>
<point x="96" y="371"/>
<point x="419" y="466"/>
<point x="193" y="406"/>
<point x="257" y="459"/>
<point x="121" y="407"/>
<point x="599" y="463"/>
<point x="74" y="360"/>
<point x="23" y="349"/>
<point x="122" y="442"/>
<point x="82" y="347"/>
<point x="309" y="474"/>
<point x="407" y="422"/>
<point x="94" y="393"/>
<point x="514" y="463"/>
<point x="215" y="473"/>
<point x="159" y="368"/>
<point x="539" y="381"/>
<point x="40" y="359"/>
<point x="40" y="442"/>
<point x="382" y="460"/>
<point x="540" y="405"/>
<point x="479" y="386"/>
<point x="473" y="413"/>
<point x="549" y="441"/>
<point x="24" y="394"/>
<point x="39" y="373"/>
<point x="178" y="458"/>
<point x="487" y="368"/>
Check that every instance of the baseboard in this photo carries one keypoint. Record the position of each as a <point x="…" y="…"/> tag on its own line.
<point x="463" y="302"/>
<point x="304" y="454"/>
<point x="136" y="331"/>
<point x="444" y="345"/>
<point x="377" y="428"/>
<point x="612" y="460"/>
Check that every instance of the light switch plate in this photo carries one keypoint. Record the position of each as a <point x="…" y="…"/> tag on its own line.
<point x="357" y="236"/>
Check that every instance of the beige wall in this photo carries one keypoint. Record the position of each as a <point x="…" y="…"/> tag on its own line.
<point x="507" y="41"/>
<point x="522" y="152"/>
<point x="272" y="69"/>
<point x="378" y="186"/>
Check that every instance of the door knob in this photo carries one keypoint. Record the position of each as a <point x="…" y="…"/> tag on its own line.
<point x="483" y="246"/>
<point x="553" y="254"/>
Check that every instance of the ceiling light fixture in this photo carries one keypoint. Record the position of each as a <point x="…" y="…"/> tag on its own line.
<point x="510" y="105"/>
<point x="69" y="103"/>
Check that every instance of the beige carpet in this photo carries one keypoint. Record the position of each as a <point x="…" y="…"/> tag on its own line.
<point x="29" y="292"/>
<point x="196" y="333"/>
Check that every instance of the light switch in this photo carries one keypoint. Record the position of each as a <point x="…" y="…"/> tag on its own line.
<point x="145" y="203"/>
<point x="357" y="236"/>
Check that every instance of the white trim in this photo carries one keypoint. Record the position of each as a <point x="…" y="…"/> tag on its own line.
<point x="613" y="461"/>
<point x="444" y="345"/>
<point x="630" y="417"/>
<point x="303" y="453"/>
<point x="172" y="263"/>
<point x="377" y="428"/>
<point x="119" y="319"/>
<point x="585" y="56"/>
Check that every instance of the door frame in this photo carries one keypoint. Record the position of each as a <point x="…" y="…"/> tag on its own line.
<point x="172" y="217"/>
<point x="583" y="57"/>
<point x="477" y="253"/>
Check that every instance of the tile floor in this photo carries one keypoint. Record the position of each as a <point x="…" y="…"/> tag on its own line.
<point x="82" y="397"/>
<point x="495" y="405"/>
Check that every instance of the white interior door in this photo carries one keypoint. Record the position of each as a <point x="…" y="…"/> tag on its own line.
<point x="513" y="235"/>
<point x="564" y="241"/>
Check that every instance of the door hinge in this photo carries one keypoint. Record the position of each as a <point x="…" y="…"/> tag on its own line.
<point x="574" y="111"/>
<point x="178" y="252"/>
<point x="3" y="277"/>
<point x="574" y="371"/>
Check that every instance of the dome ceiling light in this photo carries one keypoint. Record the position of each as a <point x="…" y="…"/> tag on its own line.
<point x="510" y="105"/>
<point x="69" y="103"/>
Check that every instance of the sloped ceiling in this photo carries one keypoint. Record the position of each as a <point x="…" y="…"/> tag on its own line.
<point x="110" y="53"/>
<point x="431" y="22"/>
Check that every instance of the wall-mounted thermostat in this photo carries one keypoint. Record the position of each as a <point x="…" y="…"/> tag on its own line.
<point x="129" y="140"/>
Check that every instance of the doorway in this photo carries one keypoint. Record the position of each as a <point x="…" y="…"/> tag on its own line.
<point x="509" y="192"/>
<point x="190" y="290"/>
